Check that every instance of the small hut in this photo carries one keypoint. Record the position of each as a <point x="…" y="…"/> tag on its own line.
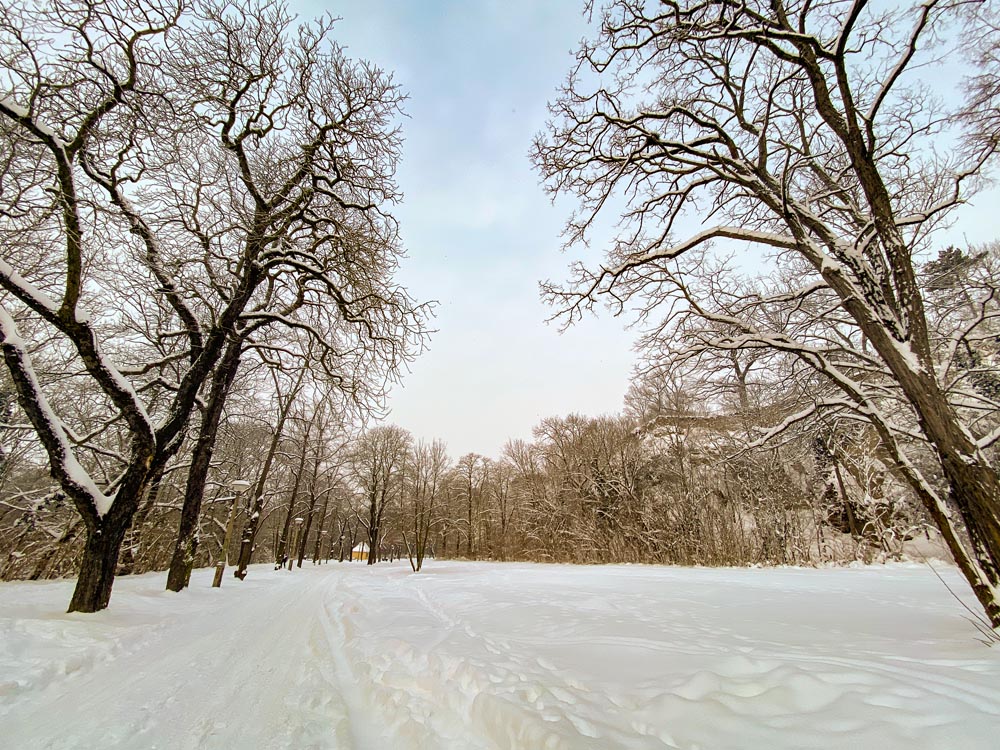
<point x="360" y="552"/>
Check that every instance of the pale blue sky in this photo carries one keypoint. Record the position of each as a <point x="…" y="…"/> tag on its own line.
<point x="478" y="229"/>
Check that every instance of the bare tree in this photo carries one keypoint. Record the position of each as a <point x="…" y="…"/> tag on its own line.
<point x="281" y="554"/>
<point x="376" y="464"/>
<point x="424" y="488"/>
<point x="470" y="474"/>
<point x="255" y="502"/>
<point x="503" y="505"/>
<point x="91" y="90"/>
<point x="329" y="457"/>
<point x="200" y="169"/>
<point x="179" y="574"/>
<point x="803" y="130"/>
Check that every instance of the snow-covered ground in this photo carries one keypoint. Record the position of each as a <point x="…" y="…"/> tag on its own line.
<point x="490" y="655"/>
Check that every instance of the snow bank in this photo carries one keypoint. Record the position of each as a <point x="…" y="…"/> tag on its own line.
<point x="482" y="655"/>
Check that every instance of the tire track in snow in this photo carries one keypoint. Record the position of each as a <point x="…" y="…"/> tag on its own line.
<point x="412" y="693"/>
<point x="489" y="657"/>
<point x="555" y="697"/>
<point x="243" y="684"/>
<point x="339" y="675"/>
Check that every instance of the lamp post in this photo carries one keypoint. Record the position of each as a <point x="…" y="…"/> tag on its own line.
<point x="239" y="486"/>
<point x="295" y="541"/>
<point x="318" y="558"/>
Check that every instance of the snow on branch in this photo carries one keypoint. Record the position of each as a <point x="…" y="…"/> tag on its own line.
<point x="72" y="476"/>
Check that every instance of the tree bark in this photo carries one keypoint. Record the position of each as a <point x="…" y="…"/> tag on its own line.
<point x="257" y="507"/>
<point x="127" y="564"/>
<point x="974" y="487"/>
<point x="279" y="552"/>
<point x="313" y="499"/>
<point x="317" y="550"/>
<point x="300" y="553"/>
<point x="179" y="574"/>
<point x="374" y="522"/>
<point x="98" y="566"/>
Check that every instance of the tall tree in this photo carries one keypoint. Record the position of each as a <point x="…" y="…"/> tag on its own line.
<point x="182" y="171"/>
<point x="255" y="506"/>
<point x="179" y="574"/>
<point x="424" y="487"/>
<point x="377" y="463"/>
<point x="470" y="475"/>
<point x="329" y="456"/>
<point x="298" y="474"/>
<point x="804" y="130"/>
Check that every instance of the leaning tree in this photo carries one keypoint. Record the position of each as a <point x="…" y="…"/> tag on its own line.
<point x="805" y="130"/>
<point x="181" y="172"/>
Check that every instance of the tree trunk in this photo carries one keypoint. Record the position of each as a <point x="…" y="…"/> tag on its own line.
<point x="279" y="550"/>
<point x="322" y="528"/>
<point x="373" y="528"/>
<point x="974" y="486"/>
<point x="301" y="551"/>
<point x="313" y="499"/>
<point x="373" y="541"/>
<point x="97" y="567"/>
<point x="247" y="544"/>
<point x="127" y="564"/>
<point x="279" y="553"/>
<point x="257" y="506"/>
<point x="179" y="575"/>
<point x="468" y="543"/>
<point x="343" y="530"/>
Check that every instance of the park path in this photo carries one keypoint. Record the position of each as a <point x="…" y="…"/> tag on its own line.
<point x="490" y="656"/>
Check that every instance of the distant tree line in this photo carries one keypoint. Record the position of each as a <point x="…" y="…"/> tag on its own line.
<point x="692" y="472"/>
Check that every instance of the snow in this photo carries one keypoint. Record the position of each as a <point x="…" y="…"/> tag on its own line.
<point x="22" y="113"/>
<point x="76" y="473"/>
<point x="38" y="297"/>
<point x="726" y="232"/>
<point x="489" y="655"/>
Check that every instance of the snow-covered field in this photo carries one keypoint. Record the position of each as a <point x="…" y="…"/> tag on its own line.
<point x="490" y="655"/>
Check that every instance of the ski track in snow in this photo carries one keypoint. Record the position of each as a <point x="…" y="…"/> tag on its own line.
<point x="486" y="656"/>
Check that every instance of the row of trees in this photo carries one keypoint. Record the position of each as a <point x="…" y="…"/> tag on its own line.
<point x="190" y="190"/>
<point x="684" y="476"/>
<point x="584" y="490"/>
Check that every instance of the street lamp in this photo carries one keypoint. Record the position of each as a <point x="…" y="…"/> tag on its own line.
<point x="239" y="487"/>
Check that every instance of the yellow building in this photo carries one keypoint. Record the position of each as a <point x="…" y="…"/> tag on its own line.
<point x="360" y="552"/>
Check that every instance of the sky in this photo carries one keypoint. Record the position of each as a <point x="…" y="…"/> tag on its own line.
<point x="478" y="229"/>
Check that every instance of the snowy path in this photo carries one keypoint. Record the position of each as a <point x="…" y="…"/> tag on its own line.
<point x="245" y="670"/>
<point x="479" y="655"/>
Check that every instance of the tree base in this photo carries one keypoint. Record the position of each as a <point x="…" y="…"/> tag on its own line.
<point x="97" y="570"/>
